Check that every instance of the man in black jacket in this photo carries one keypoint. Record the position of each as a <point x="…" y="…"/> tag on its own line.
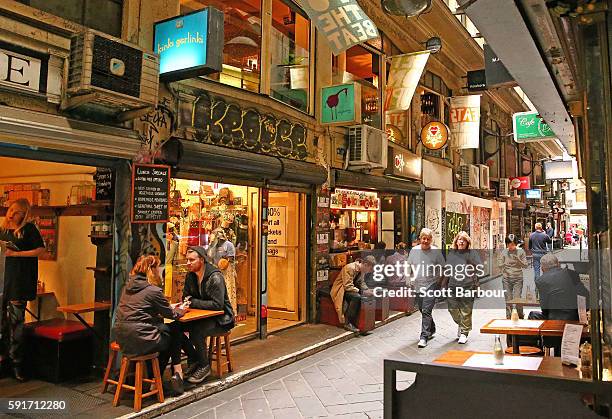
<point x="205" y="286"/>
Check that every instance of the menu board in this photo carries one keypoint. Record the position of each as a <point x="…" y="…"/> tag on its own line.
<point x="150" y="193"/>
<point x="104" y="184"/>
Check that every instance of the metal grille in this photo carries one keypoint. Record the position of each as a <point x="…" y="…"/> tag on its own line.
<point x="355" y="143"/>
<point x="103" y="51"/>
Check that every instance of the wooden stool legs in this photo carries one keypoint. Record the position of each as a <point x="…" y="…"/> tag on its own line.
<point x="112" y="356"/>
<point x="139" y="380"/>
<point x="216" y="352"/>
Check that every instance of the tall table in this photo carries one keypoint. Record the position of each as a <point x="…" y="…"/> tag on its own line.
<point x="78" y="309"/>
<point x="513" y="329"/>
<point x="194" y="314"/>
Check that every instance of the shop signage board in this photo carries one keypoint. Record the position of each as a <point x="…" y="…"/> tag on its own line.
<point x="528" y="126"/>
<point x="403" y="163"/>
<point x="533" y="193"/>
<point x="23" y="69"/>
<point x="465" y="121"/>
<point x="558" y="170"/>
<point x="476" y="81"/>
<point x="404" y="76"/>
<point x="105" y="190"/>
<point x="434" y="135"/>
<point x="150" y="193"/>
<point x="496" y="73"/>
<point x="520" y="183"/>
<point x="341" y="104"/>
<point x="342" y="22"/>
<point x="188" y="45"/>
<point x="354" y="200"/>
<point x="277" y="232"/>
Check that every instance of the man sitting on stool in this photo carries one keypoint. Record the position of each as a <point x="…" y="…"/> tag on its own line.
<point x="559" y="289"/>
<point x="205" y="285"/>
<point x="347" y="290"/>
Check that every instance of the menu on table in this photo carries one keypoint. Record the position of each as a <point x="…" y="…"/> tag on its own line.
<point x="150" y="193"/>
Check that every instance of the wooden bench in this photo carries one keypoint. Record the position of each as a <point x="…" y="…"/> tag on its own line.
<point x="328" y="315"/>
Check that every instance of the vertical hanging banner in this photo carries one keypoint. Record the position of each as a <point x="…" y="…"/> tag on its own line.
<point x="342" y="22"/>
<point x="404" y="76"/>
<point x="465" y="121"/>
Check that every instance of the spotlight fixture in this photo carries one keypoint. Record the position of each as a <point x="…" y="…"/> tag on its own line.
<point x="408" y="8"/>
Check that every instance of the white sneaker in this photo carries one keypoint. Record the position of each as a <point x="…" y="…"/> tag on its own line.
<point x="458" y="332"/>
<point x="462" y="339"/>
<point x="422" y="343"/>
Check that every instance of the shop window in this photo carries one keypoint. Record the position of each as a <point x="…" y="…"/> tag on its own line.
<point x="102" y="15"/>
<point x="361" y="65"/>
<point x="290" y="50"/>
<point x="242" y="47"/>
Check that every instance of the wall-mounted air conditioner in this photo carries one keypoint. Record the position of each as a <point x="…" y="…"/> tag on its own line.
<point x="470" y="175"/>
<point x="111" y="72"/>
<point x="367" y="147"/>
<point x="484" y="176"/>
<point x="504" y="188"/>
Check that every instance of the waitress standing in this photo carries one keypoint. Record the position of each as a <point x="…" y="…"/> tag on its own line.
<point x="20" y="279"/>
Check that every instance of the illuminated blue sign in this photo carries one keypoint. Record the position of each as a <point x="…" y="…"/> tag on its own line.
<point x="533" y="193"/>
<point x="190" y="45"/>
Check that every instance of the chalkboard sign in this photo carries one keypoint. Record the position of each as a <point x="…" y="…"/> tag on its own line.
<point x="150" y="193"/>
<point x="105" y="190"/>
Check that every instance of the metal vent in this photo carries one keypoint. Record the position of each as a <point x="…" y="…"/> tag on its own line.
<point x="105" y="50"/>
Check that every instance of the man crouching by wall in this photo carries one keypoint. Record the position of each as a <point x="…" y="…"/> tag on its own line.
<point x="205" y="286"/>
<point x="347" y="290"/>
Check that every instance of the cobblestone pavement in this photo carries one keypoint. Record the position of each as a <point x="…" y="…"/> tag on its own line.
<point x="346" y="381"/>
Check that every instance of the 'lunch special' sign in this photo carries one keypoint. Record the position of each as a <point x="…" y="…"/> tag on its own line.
<point x="188" y="45"/>
<point x="150" y="193"/>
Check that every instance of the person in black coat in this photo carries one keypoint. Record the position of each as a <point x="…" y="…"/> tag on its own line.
<point x="139" y="326"/>
<point x="205" y="287"/>
<point x="24" y="246"/>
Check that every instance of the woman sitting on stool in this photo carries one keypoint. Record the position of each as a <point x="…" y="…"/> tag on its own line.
<point x="139" y="326"/>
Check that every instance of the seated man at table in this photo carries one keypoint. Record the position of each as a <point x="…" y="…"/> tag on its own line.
<point x="347" y="290"/>
<point x="205" y="286"/>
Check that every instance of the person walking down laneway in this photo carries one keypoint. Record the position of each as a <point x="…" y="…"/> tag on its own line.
<point x="550" y="232"/>
<point x="538" y="241"/>
<point x="460" y="307"/>
<point x="512" y="261"/>
<point x="426" y="264"/>
<point x="24" y="246"/>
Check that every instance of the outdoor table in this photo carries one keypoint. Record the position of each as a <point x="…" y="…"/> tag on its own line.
<point x="193" y="314"/>
<point x="523" y="302"/>
<point x="78" y="309"/>
<point x="556" y="327"/>
<point x="522" y="327"/>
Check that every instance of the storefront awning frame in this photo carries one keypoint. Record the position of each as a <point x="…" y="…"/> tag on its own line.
<point x="350" y="179"/>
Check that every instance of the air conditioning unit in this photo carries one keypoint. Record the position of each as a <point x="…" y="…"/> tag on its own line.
<point x="470" y="174"/>
<point x="367" y="147"/>
<point x="484" y="176"/>
<point x="504" y="188"/>
<point x="111" y="72"/>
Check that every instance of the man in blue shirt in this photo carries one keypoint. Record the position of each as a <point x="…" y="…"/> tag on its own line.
<point x="537" y="244"/>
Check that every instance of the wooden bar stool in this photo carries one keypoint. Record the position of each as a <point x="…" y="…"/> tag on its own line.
<point x="216" y="352"/>
<point x="114" y="349"/>
<point x="139" y="379"/>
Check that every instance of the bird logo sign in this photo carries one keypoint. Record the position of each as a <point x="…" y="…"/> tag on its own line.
<point x="339" y="104"/>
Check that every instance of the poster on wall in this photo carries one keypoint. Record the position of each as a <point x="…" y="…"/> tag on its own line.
<point x="465" y="121"/>
<point x="342" y="22"/>
<point x="453" y="224"/>
<point x="277" y="232"/>
<point x="404" y="76"/>
<point x="341" y="104"/>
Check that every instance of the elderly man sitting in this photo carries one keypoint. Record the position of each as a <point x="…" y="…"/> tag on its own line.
<point x="347" y="290"/>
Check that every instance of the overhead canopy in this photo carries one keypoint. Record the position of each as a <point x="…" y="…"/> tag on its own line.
<point x="502" y="25"/>
<point x="377" y="183"/>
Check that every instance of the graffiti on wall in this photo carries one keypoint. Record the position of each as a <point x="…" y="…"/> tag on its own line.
<point x="155" y="127"/>
<point x="226" y="124"/>
<point x="454" y="223"/>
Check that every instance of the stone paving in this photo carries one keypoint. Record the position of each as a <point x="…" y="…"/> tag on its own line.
<point x="346" y="381"/>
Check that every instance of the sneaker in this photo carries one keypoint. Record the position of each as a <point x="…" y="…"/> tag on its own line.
<point x="463" y="338"/>
<point x="191" y="368"/>
<point x="458" y="332"/>
<point x="351" y="328"/>
<point x="433" y="335"/>
<point x="199" y="375"/>
<point x="176" y="384"/>
<point x="422" y="343"/>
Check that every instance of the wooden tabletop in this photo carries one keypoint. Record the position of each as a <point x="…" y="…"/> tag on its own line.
<point x="196" y="314"/>
<point x="556" y="327"/>
<point x="523" y="302"/>
<point x="512" y="330"/>
<point x="85" y="307"/>
<point x="550" y="366"/>
<point x="44" y="293"/>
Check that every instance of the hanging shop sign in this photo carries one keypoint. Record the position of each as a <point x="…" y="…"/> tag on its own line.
<point x="533" y="193"/>
<point x="434" y="135"/>
<point x="403" y="163"/>
<point x="342" y="22"/>
<point x="476" y="80"/>
<point x="558" y="169"/>
<point x="150" y="193"/>
<point x="496" y="73"/>
<point x="341" y="104"/>
<point x="520" y="183"/>
<point x="277" y="232"/>
<point x="189" y="45"/>
<point x="528" y="126"/>
<point x="404" y="76"/>
<point x="354" y="200"/>
<point x="215" y="121"/>
<point x="465" y="121"/>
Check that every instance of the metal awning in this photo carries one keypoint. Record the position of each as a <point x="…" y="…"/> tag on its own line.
<point x="378" y="183"/>
<point x="504" y="28"/>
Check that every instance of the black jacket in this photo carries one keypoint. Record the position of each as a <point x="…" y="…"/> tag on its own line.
<point x="210" y="295"/>
<point x="558" y="290"/>
<point x="140" y="312"/>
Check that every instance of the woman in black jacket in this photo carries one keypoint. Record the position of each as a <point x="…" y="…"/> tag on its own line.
<point x="139" y="326"/>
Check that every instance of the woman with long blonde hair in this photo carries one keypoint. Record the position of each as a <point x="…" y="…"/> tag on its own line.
<point x="24" y="245"/>
<point x="465" y="263"/>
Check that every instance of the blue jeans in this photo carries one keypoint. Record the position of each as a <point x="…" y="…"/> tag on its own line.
<point x="536" y="266"/>
<point x="426" y="306"/>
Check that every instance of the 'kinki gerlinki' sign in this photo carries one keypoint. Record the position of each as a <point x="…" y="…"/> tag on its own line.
<point x="342" y="22"/>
